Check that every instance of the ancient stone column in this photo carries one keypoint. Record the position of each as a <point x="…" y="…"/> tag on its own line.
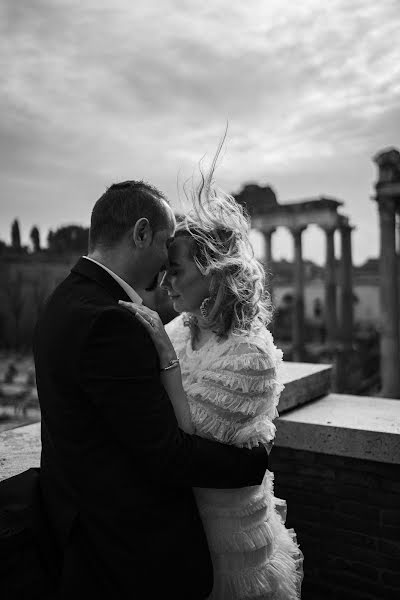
<point x="388" y="199"/>
<point x="268" y="259"/>
<point x="330" y="289"/>
<point x="268" y="247"/>
<point x="346" y="286"/>
<point x="398" y="255"/>
<point x="342" y="372"/>
<point x="389" y="299"/>
<point x="298" y="297"/>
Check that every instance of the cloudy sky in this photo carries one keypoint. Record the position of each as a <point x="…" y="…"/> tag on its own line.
<point x="92" y="92"/>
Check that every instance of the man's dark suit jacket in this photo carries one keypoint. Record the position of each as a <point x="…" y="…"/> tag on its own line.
<point x="116" y="471"/>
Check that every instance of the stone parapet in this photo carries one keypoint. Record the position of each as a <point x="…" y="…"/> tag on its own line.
<point x="20" y="447"/>
<point x="336" y="424"/>
<point x="19" y="450"/>
<point x="303" y="382"/>
<point x="342" y="425"/>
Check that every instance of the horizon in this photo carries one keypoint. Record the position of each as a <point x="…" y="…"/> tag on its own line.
<point x="311" y="95"/>
<point x="257" y="243"/>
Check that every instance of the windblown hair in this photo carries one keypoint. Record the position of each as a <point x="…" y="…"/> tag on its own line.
<point x="221" y="248"/>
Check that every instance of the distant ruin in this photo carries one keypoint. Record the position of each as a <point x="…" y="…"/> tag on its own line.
<point x="266" y="215"/>
<point x="388" y="199"/>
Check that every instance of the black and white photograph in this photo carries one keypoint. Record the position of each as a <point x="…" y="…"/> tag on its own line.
<point x="199" y="300"/>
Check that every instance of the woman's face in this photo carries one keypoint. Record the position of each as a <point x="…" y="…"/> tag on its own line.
<point x="186" y="286"/>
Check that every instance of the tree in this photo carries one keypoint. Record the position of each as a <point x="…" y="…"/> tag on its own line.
<point x="50" y="238"/>
<point x="16" y="294"/>
<point x="69" y="239"/>
<point x="15" y="235"/>
<point x="40" y="292"/>
<point x="35" y="238"/>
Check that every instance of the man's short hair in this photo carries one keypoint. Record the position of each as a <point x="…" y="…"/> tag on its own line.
<point x="120" y="207"/>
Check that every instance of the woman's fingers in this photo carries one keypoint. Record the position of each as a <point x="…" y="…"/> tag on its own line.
<point x="151" y="315"/>
<point x="144" y="321"/>
<point x="143" y="314"/>
<point x="129" y="305"/>
<point x="135" y="308"/>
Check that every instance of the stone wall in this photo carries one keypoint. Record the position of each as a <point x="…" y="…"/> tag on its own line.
<point x="337" y="464"/>
<point x="346" y="514"/>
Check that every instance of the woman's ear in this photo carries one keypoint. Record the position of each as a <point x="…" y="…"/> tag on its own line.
<point x="142" y="233"/>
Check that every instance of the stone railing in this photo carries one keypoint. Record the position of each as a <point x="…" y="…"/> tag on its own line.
<point x="336" y="461"/>
<point x="20" y="447"/>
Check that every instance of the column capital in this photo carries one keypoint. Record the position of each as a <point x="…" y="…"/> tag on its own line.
<point x="346" y="227"/>
<point x="329" y="229"/>
<point x="387" y="205"/>
<point x="344" y="224"/>
<point x="297" y="230"/>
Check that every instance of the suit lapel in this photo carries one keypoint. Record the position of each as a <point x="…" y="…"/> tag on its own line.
<point x="92" y="271"/>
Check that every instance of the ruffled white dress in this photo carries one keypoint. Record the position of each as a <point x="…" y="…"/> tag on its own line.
<point x="233" y="392"/>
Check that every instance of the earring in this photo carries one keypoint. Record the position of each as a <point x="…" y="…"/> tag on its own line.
<point x="204" y="307"/>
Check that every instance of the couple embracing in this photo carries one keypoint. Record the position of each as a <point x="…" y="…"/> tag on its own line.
<point x="155" y="441"/>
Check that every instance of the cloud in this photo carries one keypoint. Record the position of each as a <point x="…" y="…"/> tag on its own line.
<point x="92" y="92"/>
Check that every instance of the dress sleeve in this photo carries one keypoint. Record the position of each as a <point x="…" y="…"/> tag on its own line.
<point x="235" y="399"/>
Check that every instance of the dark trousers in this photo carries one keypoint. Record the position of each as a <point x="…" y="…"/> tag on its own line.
<point x="82" y="575"/>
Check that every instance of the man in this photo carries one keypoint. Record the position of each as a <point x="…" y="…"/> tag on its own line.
<point x="116" y="471"/>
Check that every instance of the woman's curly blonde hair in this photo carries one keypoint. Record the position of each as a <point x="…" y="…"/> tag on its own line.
<point x="221" y="249"/>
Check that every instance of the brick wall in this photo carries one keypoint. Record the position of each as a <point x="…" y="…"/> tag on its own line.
<point x="346" y="513"/>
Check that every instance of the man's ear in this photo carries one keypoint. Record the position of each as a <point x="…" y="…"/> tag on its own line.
<point x="142" y="233"/>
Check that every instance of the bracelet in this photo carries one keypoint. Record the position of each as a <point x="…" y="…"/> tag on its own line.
<point x="171" y="365"/>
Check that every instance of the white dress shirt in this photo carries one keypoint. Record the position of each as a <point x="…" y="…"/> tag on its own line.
<point x="134" y="296"/>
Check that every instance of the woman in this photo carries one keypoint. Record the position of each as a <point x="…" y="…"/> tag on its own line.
<point x="222" y="381"/>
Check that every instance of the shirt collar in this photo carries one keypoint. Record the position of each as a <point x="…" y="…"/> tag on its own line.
<point x="134" y="296"/>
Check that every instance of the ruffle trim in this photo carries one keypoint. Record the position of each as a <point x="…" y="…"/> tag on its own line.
<point x="237" y="502"/>
<point x="280" y="575"/>
<point x="259" y="382"/>
<point x="261" y="431"/>
<point x="279" y="579"/>
<point x="222" y="539"/>
<point x="236" y="403"/>
<point x="258" y="430"/>
<point x="177" y="332"/>
<point x="211" y="511"/>
<point x="252" y="360"/>
<point x="261" y="351"/>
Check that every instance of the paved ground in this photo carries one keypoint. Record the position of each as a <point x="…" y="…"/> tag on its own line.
<point x="18" y="397"/>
